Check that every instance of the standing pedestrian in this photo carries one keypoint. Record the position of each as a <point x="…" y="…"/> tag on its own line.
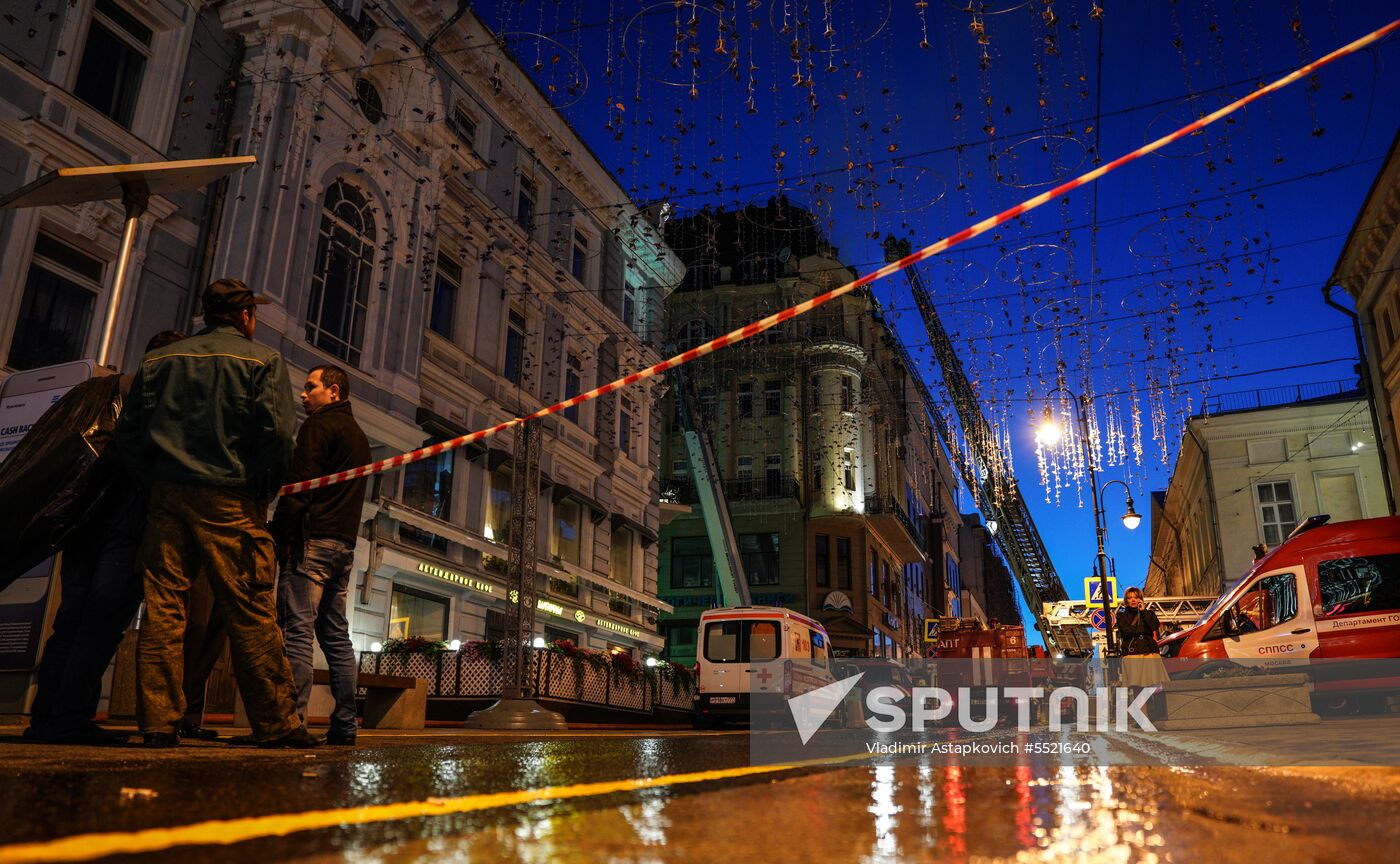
<point x="315" y="533"/>
<point x="98" y="585"/>
<point x="1138" y="630"/>
<point x="209" y="427"/>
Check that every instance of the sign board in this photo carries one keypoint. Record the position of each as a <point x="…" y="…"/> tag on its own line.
<point x="1093" y="591"/>
<point x="25" y="397"/>
<point x="931" y="629"/>
<point x="1099" y="619"/>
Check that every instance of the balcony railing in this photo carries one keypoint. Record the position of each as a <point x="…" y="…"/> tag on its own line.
<point x="1270" y="397"/>
<point x="886" y="505"/>
<point x="766" y="488"/>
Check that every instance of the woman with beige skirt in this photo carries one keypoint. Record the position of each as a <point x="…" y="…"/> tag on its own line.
<point x="1138" y="629"/>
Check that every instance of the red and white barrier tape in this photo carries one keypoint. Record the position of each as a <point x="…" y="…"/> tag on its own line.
<point x="757" y="327"/>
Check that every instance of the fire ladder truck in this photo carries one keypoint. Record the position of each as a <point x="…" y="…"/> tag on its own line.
<point x="988" y="475"/>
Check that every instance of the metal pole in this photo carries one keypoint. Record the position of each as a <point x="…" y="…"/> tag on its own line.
<point x="525" y="485"/>
<point x="135" y="197"/>
<point x="1081" y="407"/>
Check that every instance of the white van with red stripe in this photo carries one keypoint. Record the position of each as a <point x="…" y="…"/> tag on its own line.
<point x="742" y="650"/>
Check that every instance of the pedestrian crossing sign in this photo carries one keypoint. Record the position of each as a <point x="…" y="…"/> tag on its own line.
<point x="930" y="629"/>
<point x="1093" y="591"/>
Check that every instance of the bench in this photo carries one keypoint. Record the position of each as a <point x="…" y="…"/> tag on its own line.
<point x="391" y="701"/>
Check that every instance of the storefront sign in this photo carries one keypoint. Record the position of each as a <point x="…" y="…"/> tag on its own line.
<point x="619" y="628"/>
<point x="454" y="577"/>
<point x="550" y="606"/>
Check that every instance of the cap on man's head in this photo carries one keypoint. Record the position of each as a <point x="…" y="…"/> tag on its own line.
<point x="227" y="296"/>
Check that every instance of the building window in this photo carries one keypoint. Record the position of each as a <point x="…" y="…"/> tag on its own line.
<point x="624" y="427"/>
<point x="822" y="558"/>
<point x="707" y="403"/>
<point x="555" y="634"/>
<point x="694" y="334"/>
<point x="567" y="538"/>
<point x="1271" y="602"/>
<point x="745" y="400"/>
<point x="515" y="348"/>
<point x="368" y="100"/>
<point x="772" y="398"/>
<point x="692" y="564"/>
<point x="416" y="613"/>
<point x="759" y="554"/>
<point x="335" y="317"/>
<point x="745" y="465"/>
<point x="848" y="394"/>
<point x="773" y="475"/>
<point x="498" y="506"/>
<point x="446" y="286"/>
<point x="427" y="488"/>
<point x="1276" y="512"/>
<point x="679" y="467"/>
<point x="573" y="385"/>
<point x="849" y="470"/>
<point x="464" y="124"/>
<point x="114" y="62"/>
<point x="578" y="263"/>
<point x="56" y="312"/>
<point x="620" y="556"/>
<point x="816" y="392"/>
<point x="495" y="625"/>
<point x="629" y="306"/>
<point x="525" y="204"/>
<point x="843" y="562"/>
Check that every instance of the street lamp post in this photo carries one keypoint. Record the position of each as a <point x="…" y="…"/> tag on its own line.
<point x="1049" y="435"/>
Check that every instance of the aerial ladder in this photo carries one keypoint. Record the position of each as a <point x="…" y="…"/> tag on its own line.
<point x="730" y="582"/>
<point x="988" y="475"/>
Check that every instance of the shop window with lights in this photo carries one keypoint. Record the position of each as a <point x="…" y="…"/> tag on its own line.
<point x="416" y="613"/>
<point x="60" y="292"/>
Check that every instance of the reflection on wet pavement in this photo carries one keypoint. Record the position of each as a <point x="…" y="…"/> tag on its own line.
<point x="894" y="813"/>
<point x="925" y="809"/>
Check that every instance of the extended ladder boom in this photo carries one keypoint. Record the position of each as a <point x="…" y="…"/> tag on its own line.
<point x="730" y="581"/>
<point x="989" y="477"/>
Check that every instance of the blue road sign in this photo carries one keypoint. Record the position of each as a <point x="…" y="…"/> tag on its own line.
<point x="1099" y="619"/>
<point x="930" y="629"/>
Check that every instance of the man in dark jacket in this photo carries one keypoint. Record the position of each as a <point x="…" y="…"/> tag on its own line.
<point x="209" y="427"/>
<point x="315" y="533"/>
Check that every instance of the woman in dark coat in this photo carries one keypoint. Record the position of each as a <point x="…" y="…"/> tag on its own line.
<point x="1138" y="629"/>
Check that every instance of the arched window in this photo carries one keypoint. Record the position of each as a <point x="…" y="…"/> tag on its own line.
<point x="335" y="317"/>
<point x="693" y="333"/>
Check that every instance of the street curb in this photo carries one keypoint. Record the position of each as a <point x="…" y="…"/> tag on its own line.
<point x="1238" y="755"/>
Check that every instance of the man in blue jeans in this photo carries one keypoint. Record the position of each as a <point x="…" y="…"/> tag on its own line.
<point x="315" y="534"/>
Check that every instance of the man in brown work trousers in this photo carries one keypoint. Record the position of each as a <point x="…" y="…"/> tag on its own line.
<point x="209" y="426"/>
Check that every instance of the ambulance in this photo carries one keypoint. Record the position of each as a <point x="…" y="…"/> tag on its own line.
<point x="744" y="650"/>
<point x="1330" y="592"/>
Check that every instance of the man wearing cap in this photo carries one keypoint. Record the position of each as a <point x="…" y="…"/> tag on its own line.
<point x="208" y="426"/>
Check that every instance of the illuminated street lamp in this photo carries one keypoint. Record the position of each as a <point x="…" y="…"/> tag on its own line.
<point x="1049" y="434"/>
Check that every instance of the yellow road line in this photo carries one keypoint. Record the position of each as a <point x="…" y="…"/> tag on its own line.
<point x="224" y="832"/>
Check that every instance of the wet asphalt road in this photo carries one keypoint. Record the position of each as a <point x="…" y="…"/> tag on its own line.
<point x="919" y="811"/>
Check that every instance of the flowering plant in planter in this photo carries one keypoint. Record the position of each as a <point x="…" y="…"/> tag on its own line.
<point x="484" y="650"/>
<point x="414" y="645"/>
<point x="681" y="677"/>
<point x="623" y="664"/>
